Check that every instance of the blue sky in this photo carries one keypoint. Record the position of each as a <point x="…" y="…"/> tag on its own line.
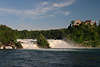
<point x="46" y="14"/>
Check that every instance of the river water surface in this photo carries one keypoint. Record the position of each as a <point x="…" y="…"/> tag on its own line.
<point x="50" y="58"/>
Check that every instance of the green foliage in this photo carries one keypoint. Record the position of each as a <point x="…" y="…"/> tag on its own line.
<point x="6" y="35"/>
<point x="42" y="42"/>
<point x="85" y="34"/>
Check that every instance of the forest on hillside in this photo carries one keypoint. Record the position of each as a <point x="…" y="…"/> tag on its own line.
<point x="85" y="34"/>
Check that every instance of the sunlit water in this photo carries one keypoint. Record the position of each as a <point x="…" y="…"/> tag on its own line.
<point x="50" y="58"/>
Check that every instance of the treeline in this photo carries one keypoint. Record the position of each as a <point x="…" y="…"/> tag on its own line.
<point x="85" y="34"/>
<point x="41" y="36"/>
<point x="8" y="37"/>
<point x="49" y="34"/>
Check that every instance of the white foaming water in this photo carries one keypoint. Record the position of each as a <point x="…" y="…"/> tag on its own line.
<point x="31" y="44"/>
<point x="28" y="43"/>
<point x="60" y="44"/>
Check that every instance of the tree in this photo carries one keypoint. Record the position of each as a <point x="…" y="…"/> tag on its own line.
<point x="6" y="35"/>
<point x="42" y="42"/>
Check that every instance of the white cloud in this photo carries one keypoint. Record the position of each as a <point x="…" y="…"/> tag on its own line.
<point x="44" y="3"/>
<point x="42" y="9"/>
<point x="10" y="10"/>
<point x="64" y="3"/>
<point x="66" y="13"/>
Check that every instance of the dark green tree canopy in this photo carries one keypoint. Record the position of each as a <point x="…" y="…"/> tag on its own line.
<point x="6" y="34"/>
<point x="42" y="42"/>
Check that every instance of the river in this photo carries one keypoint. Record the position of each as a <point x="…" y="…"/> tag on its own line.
<point x="50" y="58"/>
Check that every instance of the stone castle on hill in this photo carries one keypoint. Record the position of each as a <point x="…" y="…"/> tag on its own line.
<point x="78" y="22"/>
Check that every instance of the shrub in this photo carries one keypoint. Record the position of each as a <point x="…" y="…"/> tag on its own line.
<point x="42" y="42"/>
